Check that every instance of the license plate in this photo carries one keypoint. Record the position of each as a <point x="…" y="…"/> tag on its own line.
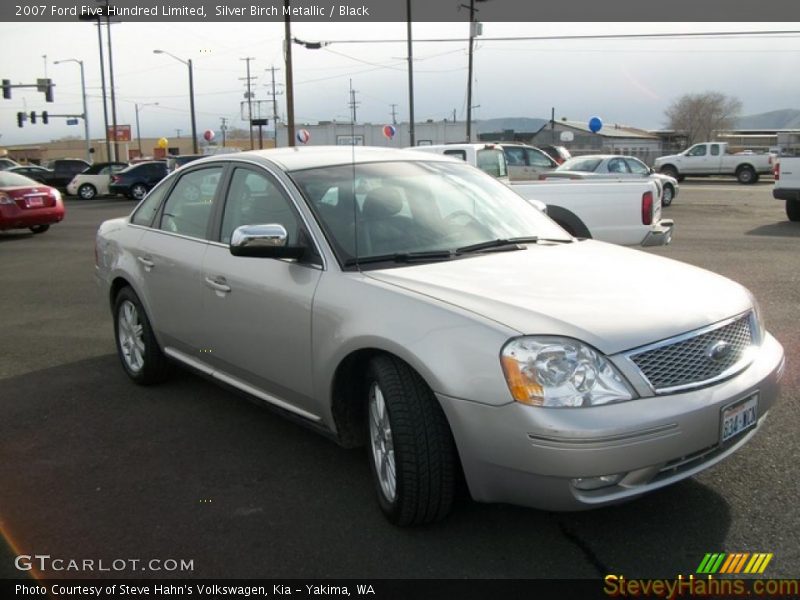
<point x="34" y="202"/>
<point x="739" y="417"/>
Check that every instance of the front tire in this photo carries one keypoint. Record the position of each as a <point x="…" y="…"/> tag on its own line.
<point x="412" y="455"/>
<point x="39" y="228"/>
<point x="138" y="191"/>
<point x="793" y="210"/>
<point x="137" y="348"/>
<point x="87" y="191"/>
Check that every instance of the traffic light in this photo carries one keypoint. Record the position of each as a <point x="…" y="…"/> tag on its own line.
<point x="48" y="93"/>
<point x="20" y="119"/>
<point x="7" y="89"/>
<point x="44" y="117"/>
<point x="33" y="117"/>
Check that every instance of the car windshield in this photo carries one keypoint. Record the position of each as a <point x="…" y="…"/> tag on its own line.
<point x="587" y="165"/>
<point x="15" y="180"/>
<point x="409" y="207"/>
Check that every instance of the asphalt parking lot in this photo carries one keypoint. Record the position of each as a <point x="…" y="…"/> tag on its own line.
<point x="92" y="466"/>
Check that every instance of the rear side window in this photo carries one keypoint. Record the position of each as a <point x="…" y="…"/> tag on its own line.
<point x="458" y="153"/>
<point x="148" y="208"/>
<point x="493" y="162"/>
<point x="188" y="207"/>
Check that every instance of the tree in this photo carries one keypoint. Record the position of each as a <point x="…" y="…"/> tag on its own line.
<point x="701" y="116"/>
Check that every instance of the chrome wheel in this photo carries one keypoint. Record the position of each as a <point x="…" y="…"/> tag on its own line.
<point x="138" y="191"/>
<point x="131" y="336"/>
<point x="381" y="444"/>
<point x="87" y="192"/>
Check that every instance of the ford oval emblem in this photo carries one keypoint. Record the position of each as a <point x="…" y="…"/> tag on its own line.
<point x="719" y="351"/>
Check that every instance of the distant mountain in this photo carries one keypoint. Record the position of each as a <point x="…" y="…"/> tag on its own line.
<point x="787" y="118"/>
<point x="518" y="124"/>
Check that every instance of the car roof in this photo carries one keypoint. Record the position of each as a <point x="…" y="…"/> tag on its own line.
<point x="297" y="158"/>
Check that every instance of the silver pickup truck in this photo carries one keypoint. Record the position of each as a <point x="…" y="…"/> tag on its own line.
<point x="715" y="158"/>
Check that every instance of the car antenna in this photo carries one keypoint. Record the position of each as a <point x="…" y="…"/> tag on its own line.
<point x="353" y="186"/>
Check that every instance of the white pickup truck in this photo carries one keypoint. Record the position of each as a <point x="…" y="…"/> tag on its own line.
<point x="715" y="158"/>
<point x="787" y="185"/>
<point x="620" y="212"/>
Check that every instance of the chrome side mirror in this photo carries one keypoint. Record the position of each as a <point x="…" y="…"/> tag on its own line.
<point x="263" y="241"/>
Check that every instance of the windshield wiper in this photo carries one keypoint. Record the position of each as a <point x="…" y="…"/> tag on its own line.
<point x="500" y="244"/>
<point x="402" y="257"/>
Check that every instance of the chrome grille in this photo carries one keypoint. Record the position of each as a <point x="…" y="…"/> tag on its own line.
<point x="686" y="361"/>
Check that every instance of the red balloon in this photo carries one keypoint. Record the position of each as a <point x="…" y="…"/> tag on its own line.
<point x="208" y="135"/>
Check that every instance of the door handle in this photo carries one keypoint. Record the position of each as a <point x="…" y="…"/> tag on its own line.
<point x="148" y="264"/>
<point x="218" y="284"/>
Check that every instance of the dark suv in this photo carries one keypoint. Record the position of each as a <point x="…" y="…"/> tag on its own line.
<point x="63" y="170"/>
<point x="135" y="181"/>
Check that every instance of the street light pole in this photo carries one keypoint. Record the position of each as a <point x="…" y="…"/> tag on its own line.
<point x="287" y="50"/>
<point x="188" y="63"/>
<point x="410" y="76"/>
<point x="138" y="134"/>
<point x="85" y="115"/>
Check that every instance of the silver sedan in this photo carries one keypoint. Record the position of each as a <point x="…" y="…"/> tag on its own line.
<point x="417" y="306"/>
<point x="615" y="166"/>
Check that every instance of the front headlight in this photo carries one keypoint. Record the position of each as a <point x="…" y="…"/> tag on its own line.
<point x="560" y="372"/>
<point x="757" y="322"/>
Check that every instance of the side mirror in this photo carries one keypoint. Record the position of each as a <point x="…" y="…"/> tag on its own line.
<point x="652" y="171"/>
<point x="263" y="241"/>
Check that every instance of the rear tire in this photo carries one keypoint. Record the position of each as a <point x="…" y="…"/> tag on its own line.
<point x="668" y="195"/>
<point x="793" y="210"/>
<point x="137" y="348"/>
<point x="39" y="228"/>
<point x="138" y="191"/>
<point x="87" y="191"/>
<point x="412" y="455"/>
<point x="670" y="170"/>
<point x="746" y="175"/>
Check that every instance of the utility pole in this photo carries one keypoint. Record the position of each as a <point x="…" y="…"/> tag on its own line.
<point x="353" y="103"/>
<point x="103" y="86"/>
<point x="178" y="133"/>
<point x="394" y="114"/>
<point x="111" y="81"/>
<point x="274" y="91"/>
<point x="411" y="132"/>
<point x="249" y="96"/>
<point x="287" y="49"/>
<point x="223" y="127"/>
<point x="473" y="31"/>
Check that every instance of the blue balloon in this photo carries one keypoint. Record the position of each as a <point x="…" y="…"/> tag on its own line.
<point x="595" y="124"/>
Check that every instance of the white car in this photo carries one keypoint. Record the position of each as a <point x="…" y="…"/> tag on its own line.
<point x="615" y="166"/>
<point x="94" y="180"/>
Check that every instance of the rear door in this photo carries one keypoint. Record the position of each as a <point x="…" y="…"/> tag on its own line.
<point x="257" y="311"/>
<point x="170" y="258"/>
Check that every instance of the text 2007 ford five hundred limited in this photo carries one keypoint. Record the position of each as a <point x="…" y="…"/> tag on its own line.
<point x="421" y="308"/>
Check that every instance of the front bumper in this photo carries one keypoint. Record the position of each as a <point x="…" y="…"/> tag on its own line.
<point x="530" y="456"/>
<point x="660" y="234"/>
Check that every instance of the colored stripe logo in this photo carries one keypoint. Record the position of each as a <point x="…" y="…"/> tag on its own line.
<point x="734" y="563"/>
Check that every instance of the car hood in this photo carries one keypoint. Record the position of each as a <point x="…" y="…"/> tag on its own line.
<point x="608" y="296"/>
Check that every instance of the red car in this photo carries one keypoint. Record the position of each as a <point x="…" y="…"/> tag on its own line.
<point x="27" y="204"/>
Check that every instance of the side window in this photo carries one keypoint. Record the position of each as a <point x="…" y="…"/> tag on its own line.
<point x="457" y="153"/>
<point x="617" y="165"/>
<point x="254" y="199"/>
<point x="149" y="207"/>
<point x="537" y="158"/>
<point x="515" y="156"/>
<point x="493" y="162"/>
<point x="638" y="167"/>
<point x="698" y="151"/>
<point x="188" y="207"/>
<point x="714" y="149"/>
